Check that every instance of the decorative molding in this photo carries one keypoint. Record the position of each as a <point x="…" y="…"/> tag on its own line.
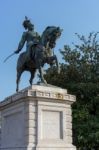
<point x="42" y="92"/>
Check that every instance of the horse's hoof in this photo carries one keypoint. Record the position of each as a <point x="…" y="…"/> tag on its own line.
<point x="17" y="90"/>
<point x="30" y="82"/>
<point x="45" y="82"/>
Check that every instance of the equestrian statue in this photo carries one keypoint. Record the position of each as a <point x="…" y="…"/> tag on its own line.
<point x="39" y="50"/>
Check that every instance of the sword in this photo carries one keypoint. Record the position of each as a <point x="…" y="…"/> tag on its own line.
<point x="8" y="57"/>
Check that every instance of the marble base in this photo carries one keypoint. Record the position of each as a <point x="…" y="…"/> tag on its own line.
<point x="37" y="118"/>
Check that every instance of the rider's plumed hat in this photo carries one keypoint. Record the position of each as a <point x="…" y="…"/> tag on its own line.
<point x="26" y="22"/>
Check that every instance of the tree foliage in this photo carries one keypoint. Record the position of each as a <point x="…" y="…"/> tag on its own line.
<point x="80" y="75"/>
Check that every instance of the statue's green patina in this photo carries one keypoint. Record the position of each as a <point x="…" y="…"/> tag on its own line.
<point x="38" y="50"/>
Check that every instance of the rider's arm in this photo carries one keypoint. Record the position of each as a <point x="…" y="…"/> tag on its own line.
<point x="21" y="43"/>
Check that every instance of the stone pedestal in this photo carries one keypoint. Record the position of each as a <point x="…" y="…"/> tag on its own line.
<point x="37" y="118"/>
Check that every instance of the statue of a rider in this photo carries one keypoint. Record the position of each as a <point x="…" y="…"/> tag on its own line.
<point x="30" y="37"/>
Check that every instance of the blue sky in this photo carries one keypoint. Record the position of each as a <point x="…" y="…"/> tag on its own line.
<point x="73" y="16"/>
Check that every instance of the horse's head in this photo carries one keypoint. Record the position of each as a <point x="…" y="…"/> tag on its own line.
<point x="55" y="34"/>
<point x="50" y="35"/>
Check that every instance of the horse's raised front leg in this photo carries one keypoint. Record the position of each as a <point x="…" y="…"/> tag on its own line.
<point x="57" y="64"/>
<point x="53" y="60"/>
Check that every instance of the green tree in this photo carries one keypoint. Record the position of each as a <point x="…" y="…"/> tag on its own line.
<point x="80" y="75"/>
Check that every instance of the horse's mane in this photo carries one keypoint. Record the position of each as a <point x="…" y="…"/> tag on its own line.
<point x="48" y="31"/>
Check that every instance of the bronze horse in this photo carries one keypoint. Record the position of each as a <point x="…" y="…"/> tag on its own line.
<point x="40" y="54"/>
